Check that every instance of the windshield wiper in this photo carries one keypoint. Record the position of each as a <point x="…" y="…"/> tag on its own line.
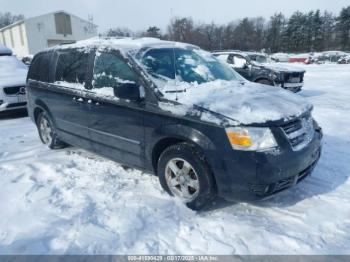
<point x="176" y="91"/>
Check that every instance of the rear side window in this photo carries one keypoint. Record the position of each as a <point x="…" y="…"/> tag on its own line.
<point x="40" y="67"/>
<point x="72" y="67"/>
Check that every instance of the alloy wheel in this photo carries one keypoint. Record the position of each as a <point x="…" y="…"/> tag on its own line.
<point x="45" y="131"/>
<point x="182" y="179"/>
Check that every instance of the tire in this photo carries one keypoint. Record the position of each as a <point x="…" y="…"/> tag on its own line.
<point x="201" y="189"/>
<point x="47" y="132"/>
<point x="265" y="82"/>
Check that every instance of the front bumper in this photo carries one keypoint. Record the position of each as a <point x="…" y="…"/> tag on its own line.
<point x="293" y="87"/>
<point x="12" y="102"/>
<point x="251" y="176"/>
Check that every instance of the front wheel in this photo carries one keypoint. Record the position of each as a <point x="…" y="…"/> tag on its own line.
<point x="185" y="174"/>
<point x="47" y="132"/>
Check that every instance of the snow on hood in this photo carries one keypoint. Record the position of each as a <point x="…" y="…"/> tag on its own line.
<point x="12" y="71"/>
<point x="281" y="67"/>
<point x="246" y="103"/>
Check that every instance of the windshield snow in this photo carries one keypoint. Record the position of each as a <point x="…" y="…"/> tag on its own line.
<point x="183" y="65"/>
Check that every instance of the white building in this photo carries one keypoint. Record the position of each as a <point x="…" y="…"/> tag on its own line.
<point x="29" y="36"/>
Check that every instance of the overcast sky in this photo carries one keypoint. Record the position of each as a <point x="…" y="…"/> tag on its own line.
<point x="139" y="14"/>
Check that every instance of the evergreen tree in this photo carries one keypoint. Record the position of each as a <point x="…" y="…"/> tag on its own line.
<point x="343" y="29"/>
<point x="274" y="32"/>
<point x="328" y="25"/>
<point x="318" y="32"/>
<point x="153" y="31"/>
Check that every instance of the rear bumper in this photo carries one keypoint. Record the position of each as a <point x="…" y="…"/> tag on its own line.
<point x="251" y="176"/>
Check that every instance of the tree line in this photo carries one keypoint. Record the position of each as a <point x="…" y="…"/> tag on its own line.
<point x="311" y="31"/>
<point x="7" y="18"/>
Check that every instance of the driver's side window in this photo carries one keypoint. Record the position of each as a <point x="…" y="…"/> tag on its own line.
<point x="237" y="61"/>
<point x="109" y="72"/>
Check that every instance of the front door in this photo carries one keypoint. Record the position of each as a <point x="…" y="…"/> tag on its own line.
<point x="116" y="126"/>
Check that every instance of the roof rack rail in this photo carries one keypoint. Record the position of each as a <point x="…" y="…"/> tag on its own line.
<point x="227" y="50"/>
<point x="115" y="37"/>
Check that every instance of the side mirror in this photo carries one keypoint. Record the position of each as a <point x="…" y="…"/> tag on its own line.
<point x="129" y="91"/>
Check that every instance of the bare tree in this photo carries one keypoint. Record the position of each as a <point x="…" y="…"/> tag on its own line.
<point x="7" y="18"/>
<point x="119" y="32"/>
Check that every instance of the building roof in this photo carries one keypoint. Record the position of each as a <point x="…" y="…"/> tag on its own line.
<point x="12" y="25"/>
<point x="52" y="13"/>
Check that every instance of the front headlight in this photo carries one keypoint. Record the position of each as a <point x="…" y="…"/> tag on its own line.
<point x="276" y="76"/>
<point x="251" y="138"/>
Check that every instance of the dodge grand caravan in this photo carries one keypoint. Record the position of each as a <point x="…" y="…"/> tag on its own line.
<point x="175" y="110"/>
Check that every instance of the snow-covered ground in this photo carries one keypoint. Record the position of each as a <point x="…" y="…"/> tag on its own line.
<point x="71" y="201"/>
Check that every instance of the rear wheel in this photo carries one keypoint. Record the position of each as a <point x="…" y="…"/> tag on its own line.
<point x="185" y="174"/>
<point x="265" y="82"/>
<point x="47" y="132"/>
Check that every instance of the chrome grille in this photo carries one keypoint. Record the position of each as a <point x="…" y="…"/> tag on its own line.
<point x="299" y="132"/>
<point x="294" y="78"/>
<point x="15" y="90"/>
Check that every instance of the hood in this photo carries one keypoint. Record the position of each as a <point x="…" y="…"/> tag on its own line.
<point x="12" y="71"/>
<point x="281" y="67"/>
<point x="246" y="103"/>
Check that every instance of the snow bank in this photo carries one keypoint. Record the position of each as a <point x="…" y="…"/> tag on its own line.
<point x="72" y="202"/>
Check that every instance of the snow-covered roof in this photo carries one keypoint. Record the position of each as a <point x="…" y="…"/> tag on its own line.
<point x="5" y="50"/>
<point x="123" y="44"/>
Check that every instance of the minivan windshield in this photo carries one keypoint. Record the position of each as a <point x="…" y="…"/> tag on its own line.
<point x="185" y="65"/>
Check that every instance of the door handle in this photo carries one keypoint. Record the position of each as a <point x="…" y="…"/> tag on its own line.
<point x="78" y="99"/>
<point x="93" y="102"/>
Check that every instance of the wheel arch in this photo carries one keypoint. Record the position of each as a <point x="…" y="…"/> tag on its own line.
<point x="263" y="78"/>
<point x="174" y="134"/>
<point x="39" y="107"/>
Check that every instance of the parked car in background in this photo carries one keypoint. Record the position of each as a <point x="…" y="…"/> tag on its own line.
<point x="300" y="58"/>
<point x="175" y="110"/>
<point x="257" y="67"/>
<point x="280" y="57"/>
<point x="344" y="59"/>
<point x="328" y="57"/>
<point x="13" y="75"/>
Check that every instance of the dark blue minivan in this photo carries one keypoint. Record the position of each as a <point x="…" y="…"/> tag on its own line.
<point x="175" y="110"/>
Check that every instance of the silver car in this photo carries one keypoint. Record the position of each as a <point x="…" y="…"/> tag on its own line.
<point x="13" y="75"/>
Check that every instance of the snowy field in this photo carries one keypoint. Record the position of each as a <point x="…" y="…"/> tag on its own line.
<point x="71" y="201"/>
